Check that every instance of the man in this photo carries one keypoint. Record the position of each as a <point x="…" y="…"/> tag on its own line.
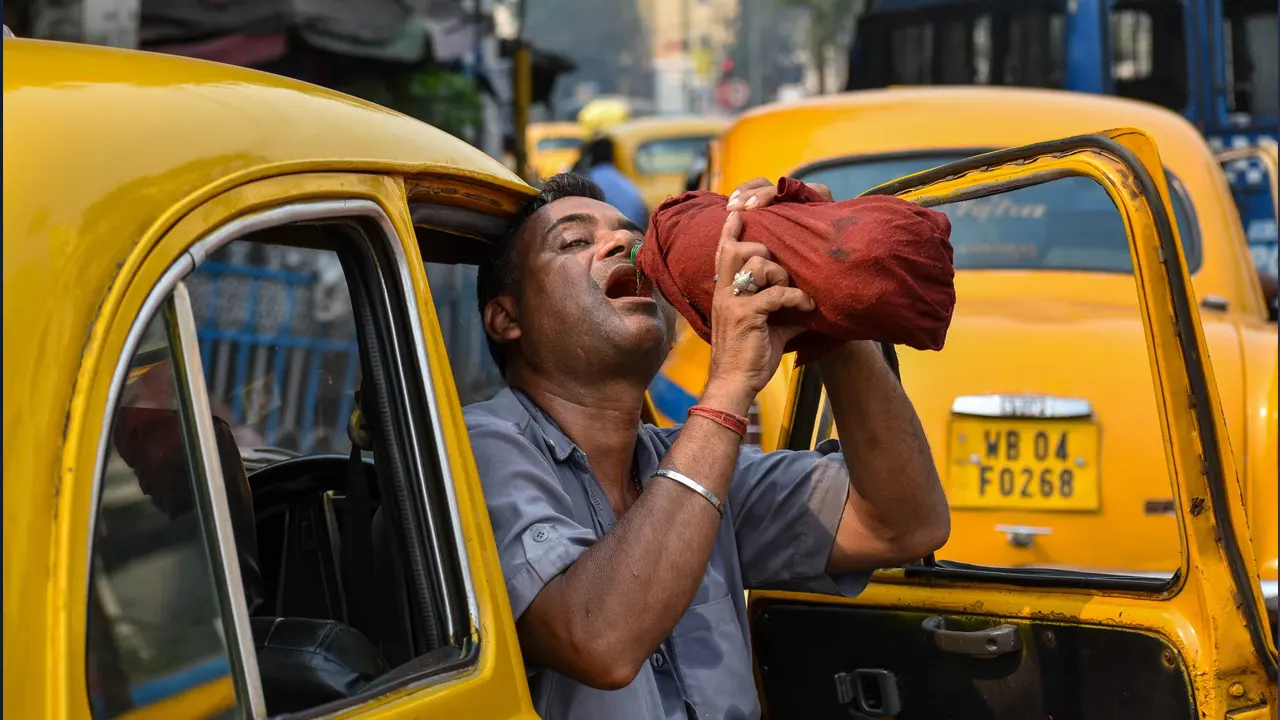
<point x="618" y="189"/>
<point x="625" y="579"/>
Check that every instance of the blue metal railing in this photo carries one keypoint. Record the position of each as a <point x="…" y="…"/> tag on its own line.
<point x="290" y="376"/>
<point x="259" y="342"/>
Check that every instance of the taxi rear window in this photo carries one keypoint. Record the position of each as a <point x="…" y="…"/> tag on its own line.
<point x="670" y="155"/>
<point x="559" y="143"/>
<point x="1070" y="224"/>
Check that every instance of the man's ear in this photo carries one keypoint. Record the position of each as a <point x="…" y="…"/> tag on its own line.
<point x="502" y="319"/>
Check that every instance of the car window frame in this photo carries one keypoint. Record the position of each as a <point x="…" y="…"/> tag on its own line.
<point x="458" y="593"/>
<point x="169" y="297"/>
<point x="1127" y="146"/>
<point x="1192" y="244"/>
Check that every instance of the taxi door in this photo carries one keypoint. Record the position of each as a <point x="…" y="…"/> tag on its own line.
<point x="939" y="639"/>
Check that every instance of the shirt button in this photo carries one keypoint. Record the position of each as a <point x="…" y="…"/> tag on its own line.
<point x="540" y="535"/>
<point x="657" y="660"/>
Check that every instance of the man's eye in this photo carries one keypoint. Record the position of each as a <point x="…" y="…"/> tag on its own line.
<point x="576" y="243"/>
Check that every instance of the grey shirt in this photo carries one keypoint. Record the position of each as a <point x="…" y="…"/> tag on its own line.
<point x="547" y="508"/>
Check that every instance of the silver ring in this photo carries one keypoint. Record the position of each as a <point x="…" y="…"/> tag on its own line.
<point x="743" y="282"/>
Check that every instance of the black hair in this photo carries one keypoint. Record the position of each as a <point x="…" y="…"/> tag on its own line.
<point x="599" y="151"/>
<point x="499" y="272"/>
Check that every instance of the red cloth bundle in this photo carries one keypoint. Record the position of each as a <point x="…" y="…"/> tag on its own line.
<point x="878" y="268"/>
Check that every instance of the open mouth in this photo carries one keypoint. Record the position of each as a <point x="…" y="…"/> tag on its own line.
<point x="625" y="281"/>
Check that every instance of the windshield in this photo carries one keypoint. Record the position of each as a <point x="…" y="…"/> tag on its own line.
<point x="670" y="155"/>
<point x="559" y="143"/>
<point x="1070" y="224"/>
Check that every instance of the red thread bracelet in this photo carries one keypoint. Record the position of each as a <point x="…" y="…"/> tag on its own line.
<point x="736" y="423"/>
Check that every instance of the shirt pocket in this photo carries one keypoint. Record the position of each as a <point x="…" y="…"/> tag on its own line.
<point x="715" y="662"/>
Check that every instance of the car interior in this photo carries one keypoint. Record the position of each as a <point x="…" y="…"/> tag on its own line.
<point x="341" y="555"/>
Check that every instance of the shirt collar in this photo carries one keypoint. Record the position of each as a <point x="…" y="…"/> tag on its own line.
<point x="558" y="443"/>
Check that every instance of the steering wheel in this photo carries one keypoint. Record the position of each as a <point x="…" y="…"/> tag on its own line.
<point x="284" y="482"/>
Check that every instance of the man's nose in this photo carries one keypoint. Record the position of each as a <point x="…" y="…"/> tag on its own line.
<point x="619" y="242"/>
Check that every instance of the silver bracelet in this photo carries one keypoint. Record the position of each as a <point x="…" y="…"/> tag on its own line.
<point x="694" y="486"/>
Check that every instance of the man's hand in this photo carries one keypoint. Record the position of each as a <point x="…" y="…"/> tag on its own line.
<point x="759" y="193"/>
<point x="745" y="348"/>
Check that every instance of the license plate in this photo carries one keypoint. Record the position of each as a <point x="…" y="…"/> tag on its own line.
<point x="1023" y="464"/>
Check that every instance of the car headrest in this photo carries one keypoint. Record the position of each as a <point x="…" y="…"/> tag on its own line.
<point x="305" y="663"/>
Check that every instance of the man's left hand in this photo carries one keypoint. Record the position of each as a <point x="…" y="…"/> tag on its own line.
<point x="759" y="193"/>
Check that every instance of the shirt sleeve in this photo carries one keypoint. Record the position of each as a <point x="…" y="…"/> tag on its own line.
<point x="531" y="514"/>
<point x="786" y="508"/>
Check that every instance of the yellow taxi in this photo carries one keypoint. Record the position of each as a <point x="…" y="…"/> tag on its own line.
<point x="1039" y="409"/>
<point x="553" y="146"/>
<point x="186" y="275"/>
<point x="657" y="153"/>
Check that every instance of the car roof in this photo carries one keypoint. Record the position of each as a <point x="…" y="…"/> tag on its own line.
<point x="93" y="130"/>
<point x="908" y="119"/>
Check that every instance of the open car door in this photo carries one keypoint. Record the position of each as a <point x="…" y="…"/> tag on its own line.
<point x="940" y="639"/>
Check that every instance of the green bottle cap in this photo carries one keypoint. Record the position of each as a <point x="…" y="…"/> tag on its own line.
<point x="635" y="249"/>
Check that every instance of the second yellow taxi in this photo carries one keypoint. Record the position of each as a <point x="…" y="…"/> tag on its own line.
<point x="1039" y="410"/>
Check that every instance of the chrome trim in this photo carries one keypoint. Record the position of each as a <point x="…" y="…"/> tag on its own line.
<point x="1024" y="530"/>
<point x="1021" y="406"/>
<point x="189" y="371"/>
<point x="185" y="263"/>
<point x="1214" y="302"/>
<point x="1022" y="536"/>
<point x="1269" y="588"/>
<point x="180" y="268"/>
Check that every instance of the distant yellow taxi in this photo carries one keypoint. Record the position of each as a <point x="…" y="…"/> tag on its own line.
<point x="553" y="146"/>
<point x="1039" y="409"/>
<point x="657" y="153"/>
<point x="194" y="287"/>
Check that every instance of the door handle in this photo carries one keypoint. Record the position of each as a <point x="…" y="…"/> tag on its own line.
<point x="999" y="640"/>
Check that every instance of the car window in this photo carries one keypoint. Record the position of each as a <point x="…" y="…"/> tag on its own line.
<point x="278" y="344"/>
<point x="156" y="627"/>
<point x="1149" y="53"/>
<point x="959" y="44"/>
<point x="1041" y="407"/>
<point x="1250" y="35"/>
<point x="341" y="519"/>
<point x="670" y="155"/>
<point x="559" y="143"/>
<point x="1057" y="226"/>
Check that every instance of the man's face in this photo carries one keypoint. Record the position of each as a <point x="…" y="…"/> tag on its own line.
<point x="582" y="305"/>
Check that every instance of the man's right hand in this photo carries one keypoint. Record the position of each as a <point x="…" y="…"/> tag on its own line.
<point x="745" y="348"/>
